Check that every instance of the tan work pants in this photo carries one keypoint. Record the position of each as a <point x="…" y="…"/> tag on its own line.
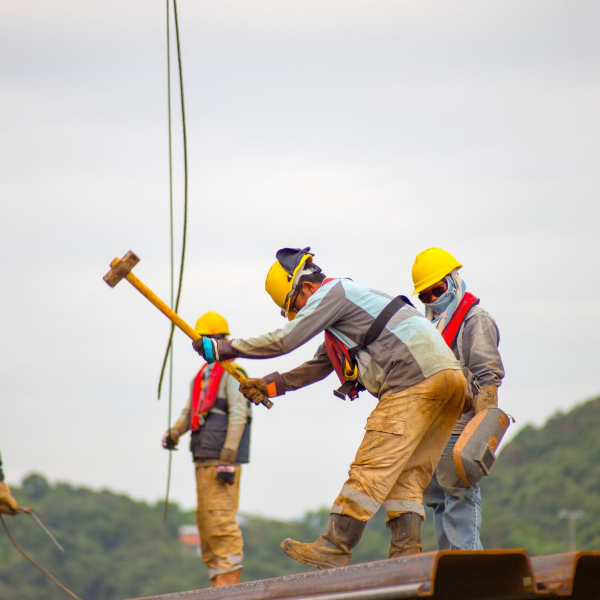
<point x="405" y="436"/>
<point x="220" y="535"/>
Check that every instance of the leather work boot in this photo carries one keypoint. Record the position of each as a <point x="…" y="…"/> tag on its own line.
<point x="333" y="548"/>
<point x="405" y="535"/>
<point x="224" y="579"/>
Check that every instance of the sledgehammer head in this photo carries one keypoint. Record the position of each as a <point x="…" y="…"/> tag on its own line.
<point x="121" y="268"/>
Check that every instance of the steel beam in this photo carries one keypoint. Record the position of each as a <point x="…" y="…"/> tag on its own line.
<point x="575" y="575"/>
<point x="446" y="575"/>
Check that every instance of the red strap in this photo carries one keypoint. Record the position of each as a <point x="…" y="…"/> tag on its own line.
<point x="337" y="353"/>
<point x="334" y="352"/>
<point x="203" y="399"/>
<point x="451" y="330"/>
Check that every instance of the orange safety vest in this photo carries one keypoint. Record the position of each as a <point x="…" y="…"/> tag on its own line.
<point x="203" y="397"/>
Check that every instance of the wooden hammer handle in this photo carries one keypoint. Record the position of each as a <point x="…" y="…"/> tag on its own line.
<point x="179" y="322"/>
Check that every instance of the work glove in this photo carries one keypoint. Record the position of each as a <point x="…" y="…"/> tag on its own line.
<point x="212" y="350"/>
<point x="226" y="474"/>
<point x="8" y="505"/>
<point x="170" y="439"/>
<point x="226" y="469"/>
<point x="254" y="389"/>
<point x="488" y="398"/>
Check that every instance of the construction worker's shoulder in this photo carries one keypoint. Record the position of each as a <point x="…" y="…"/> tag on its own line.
<point x="479" y="322"/>
<point x="477" y="313"/>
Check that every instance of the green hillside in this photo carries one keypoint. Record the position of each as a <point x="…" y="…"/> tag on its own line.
<point x="117" y="548"/>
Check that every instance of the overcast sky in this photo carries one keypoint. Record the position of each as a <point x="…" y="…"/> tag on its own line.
<point x="369" y="130"/>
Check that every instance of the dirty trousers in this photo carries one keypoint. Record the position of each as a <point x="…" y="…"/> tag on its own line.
<point x="220" y="535"/>
<point x="405" y="436"/>
<point x="456" y="508"/>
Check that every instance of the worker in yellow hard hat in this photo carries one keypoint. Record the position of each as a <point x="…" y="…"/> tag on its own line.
<point x="473" y="336"/>
<point x="8" y="505"/>
<point x="219" y="418"/>
<point x="377" y="343"/>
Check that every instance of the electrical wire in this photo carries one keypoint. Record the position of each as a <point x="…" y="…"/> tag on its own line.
<point x="35" y="564"/>
<point x="171" y="230"/>
<point x="169" y="351"/>
<point x="185" y="205"/>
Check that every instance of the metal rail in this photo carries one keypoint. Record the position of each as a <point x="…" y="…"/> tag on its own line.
<point x="446" y="575"/>
<point x="574" y="575"/>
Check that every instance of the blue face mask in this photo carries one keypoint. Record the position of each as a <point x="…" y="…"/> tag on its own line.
<point x="444" y="301"/>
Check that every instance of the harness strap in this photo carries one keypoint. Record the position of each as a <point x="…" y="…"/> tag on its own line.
<point x="460" y="314"/>
<point x="204" y="394"/>
<point x="348" y="388"/>
<point x="339" y="354"/>
<point x="379" y="323"/>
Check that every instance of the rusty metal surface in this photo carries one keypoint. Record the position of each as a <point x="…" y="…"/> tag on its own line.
<point x="446" y="575"/>
<point x="575" y="575"/>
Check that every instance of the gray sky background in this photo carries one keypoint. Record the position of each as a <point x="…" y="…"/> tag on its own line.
<point x="369" y="130"/>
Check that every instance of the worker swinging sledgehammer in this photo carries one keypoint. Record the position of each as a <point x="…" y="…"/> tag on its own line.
<point x="219" y="418"/>
<point x="374" y="342"/>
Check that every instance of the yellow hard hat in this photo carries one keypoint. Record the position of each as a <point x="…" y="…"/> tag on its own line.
<point x="211" y="323"/>
<point x="431" y="266"/>
<point x="283" y="276"/>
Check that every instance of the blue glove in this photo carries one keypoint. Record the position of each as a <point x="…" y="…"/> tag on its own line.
<point x="207" y="348"/>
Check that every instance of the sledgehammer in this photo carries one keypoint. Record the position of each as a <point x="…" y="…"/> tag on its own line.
<point x="120" y="269"/>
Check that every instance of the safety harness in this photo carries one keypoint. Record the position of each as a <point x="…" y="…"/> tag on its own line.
<point x="460" y="314"/>
<point x="203" y="397"/>
<point x="343" y="359"/>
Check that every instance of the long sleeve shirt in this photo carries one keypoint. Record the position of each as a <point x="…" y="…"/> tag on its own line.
<point x="408" y="350"/>
<point x="476" y="347"/>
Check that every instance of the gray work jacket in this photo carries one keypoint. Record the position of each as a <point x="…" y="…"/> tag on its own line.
<point x="408" y="350"/>
<point x="476" y="347"/>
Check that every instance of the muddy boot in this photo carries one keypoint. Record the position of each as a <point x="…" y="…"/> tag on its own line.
<point x="224" y="579"/>
<point x="405" y="535"/>
<point x="333" y="548"/>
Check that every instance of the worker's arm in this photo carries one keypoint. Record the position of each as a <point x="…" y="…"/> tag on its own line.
<point x="309" y="372"/>
<point x="480" y="341"/>
<point x="181" y="426"/>
<point x="277" y="384"/>
<point x="237" y="408"/>
<point x="324" y="308"/>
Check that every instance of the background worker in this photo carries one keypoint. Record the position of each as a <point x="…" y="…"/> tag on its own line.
<point x="405" y="364"/>
<point x="8" y="505"/>
<point x="219" y="417"/>
<point x="473" y="336"/>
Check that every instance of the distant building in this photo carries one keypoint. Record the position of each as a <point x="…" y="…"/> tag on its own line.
<point x="189" y="538"/>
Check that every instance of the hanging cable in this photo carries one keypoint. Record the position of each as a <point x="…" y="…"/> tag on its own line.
<point x="171" y="237"/>
<point x="169" y="350"/>
<point x="36" y="565"/>
<point x="185" y="205"/>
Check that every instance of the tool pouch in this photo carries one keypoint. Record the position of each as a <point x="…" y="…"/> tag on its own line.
<point x="474" y="453"/>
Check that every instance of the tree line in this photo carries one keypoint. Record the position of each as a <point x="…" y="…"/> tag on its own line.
<point x="117" y="548"/>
